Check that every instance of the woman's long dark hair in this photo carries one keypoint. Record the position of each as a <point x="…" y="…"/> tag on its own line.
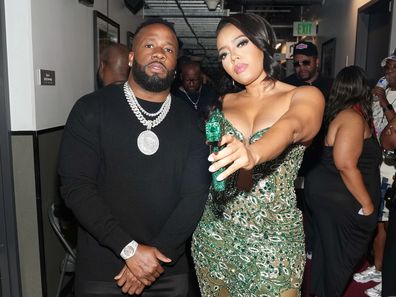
<point x="258" y="31"/>
<point x="350" y="88"/>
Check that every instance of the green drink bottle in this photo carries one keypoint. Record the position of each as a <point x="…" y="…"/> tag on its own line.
<point x="213" y="130"/>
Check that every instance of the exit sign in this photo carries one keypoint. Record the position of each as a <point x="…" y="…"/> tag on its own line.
<point x="304" y="29"/>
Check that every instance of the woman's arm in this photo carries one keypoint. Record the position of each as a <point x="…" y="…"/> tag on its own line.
<point x="299" y="124"/>
<point x="348" y="146"/>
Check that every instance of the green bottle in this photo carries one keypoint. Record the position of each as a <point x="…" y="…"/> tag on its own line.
<point x="213" y="130"/>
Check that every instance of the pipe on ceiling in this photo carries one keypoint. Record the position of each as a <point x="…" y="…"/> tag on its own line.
<point x="281" y="2"/>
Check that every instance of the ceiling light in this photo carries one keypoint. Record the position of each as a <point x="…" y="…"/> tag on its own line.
<point x="212" y="4"/>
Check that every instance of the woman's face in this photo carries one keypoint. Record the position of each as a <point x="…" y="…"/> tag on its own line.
<point x="241" y="59"/>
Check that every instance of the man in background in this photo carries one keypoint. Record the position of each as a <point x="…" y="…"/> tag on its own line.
<point x="306" y="66"/>
<point x="113" y="67"/>
<point x="198" y="95"/>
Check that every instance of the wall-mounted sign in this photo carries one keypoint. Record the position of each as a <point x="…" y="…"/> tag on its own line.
<point x="304" y="29"/>
<point x="47" y="77"/>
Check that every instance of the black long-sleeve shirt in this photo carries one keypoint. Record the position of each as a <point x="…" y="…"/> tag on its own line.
<point x="119" y="194"/>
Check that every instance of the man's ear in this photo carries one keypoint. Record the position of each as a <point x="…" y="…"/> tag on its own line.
<point x="131" y="55"/>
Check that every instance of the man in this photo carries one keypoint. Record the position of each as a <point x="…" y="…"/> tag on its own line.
<point x="198" y="95"/>
<point x="113" y="67"/>
<point x="383" y="112"/>
<point x="388" y="288"/>
<point x="305" y="62"/>
<point x="134" y="172"/>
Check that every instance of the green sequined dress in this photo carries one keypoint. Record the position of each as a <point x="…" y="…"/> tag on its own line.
<point x="257" y="247"/>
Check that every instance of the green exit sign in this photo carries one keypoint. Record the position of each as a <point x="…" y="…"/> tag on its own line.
<point x="304" y="29"/>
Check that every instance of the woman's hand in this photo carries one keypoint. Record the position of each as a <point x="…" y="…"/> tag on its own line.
<point x="236" y="154"/>
<point x="368" y="209"/>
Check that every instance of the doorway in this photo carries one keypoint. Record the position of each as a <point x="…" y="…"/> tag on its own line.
<point x="373" y="37"/>
<point x="9" y="261"/>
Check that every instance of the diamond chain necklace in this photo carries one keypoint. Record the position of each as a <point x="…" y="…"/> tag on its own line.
<point x="139" y="111"/>
<point x="147" y="141"/>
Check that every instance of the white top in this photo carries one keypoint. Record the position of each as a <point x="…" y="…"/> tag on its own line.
<point x="380" y="123"/>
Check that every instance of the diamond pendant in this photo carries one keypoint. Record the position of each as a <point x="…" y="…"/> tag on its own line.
<point x="148" y="142"/>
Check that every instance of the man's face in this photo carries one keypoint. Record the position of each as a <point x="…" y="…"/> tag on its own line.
<point x="191" y="78"/>
<point x="154" y="57"/>
<point x="390" y="73"/>
<point x="305" y="67"/>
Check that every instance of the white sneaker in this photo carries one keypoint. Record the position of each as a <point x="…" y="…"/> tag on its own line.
<point x="368" y="275"/>
<point x="375" y="291"/>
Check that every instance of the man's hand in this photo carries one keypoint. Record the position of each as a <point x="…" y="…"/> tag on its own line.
<point x="128" y="283"/>
<point x="145" y="264"/>
<point x="379" y="93"/>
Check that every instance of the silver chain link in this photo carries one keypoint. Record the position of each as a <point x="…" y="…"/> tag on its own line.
<point x="132" y="101"/>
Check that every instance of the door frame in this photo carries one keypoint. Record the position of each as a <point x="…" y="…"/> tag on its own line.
<point x="9" y="258"/>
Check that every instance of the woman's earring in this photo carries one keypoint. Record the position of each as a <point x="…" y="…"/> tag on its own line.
<point x="130" y="63"/>
<point x="233" y="83"/>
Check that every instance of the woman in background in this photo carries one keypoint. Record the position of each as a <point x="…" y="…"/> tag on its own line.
<point x="250" y="240"/>
<point x="343" y="190"/>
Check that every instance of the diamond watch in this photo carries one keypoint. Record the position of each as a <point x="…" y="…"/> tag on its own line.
<point x="129" y="250"/>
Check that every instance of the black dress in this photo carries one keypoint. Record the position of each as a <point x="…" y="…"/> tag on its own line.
<point x="341" y="235"/>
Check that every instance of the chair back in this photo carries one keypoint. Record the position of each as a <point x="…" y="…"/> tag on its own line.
<point x="55" y="224"/>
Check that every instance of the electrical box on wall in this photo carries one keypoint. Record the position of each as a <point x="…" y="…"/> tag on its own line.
<point x="46" y="77"/>
<point x="87" y="2"/>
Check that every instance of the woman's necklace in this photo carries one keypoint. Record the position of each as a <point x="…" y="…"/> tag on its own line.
<point x="147" y="141"/>
<point x="195" y="103"/>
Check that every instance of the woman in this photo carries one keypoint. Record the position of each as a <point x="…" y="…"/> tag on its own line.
<point x="343" y="190"/>
<point x="250" y="240"/>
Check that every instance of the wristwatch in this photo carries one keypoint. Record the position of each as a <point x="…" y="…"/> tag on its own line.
<point x="129" y="250"/>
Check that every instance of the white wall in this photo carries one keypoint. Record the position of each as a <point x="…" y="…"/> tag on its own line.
<point x="338" y="18"/>
<point x="20" y="64"/>
<point x="54" y="35"/>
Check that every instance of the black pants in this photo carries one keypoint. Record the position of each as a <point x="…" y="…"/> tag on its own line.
<point x="389" y="260"/>
<point x="165" y="286"/>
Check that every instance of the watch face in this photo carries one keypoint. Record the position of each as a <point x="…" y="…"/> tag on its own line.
<point x="130" y="250"/>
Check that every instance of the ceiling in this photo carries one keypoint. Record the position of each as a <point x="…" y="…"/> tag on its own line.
<point x="196" y="25"/>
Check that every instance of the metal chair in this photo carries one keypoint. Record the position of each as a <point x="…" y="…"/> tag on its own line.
<point x="68" y="262"/>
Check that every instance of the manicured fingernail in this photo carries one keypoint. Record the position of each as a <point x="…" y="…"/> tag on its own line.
<point x="212" y="169"/>
<point x="210" y="158"/>
<point x="219" y="177"/>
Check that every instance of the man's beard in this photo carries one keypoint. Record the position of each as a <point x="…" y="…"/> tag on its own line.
<point x="152" y="83"/>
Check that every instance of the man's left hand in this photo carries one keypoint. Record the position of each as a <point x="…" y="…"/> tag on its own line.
<point x="128" y="283"/>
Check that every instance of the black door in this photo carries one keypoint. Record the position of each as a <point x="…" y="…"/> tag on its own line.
<point x="373" y="37"/>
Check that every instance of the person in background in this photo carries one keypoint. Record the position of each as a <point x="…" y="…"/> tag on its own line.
<point x="192" y="90"/>
<point x="306" y="66"/>
<point x="305" y="62"/>
<point x="342" y="191"/>
<point x="250" y="240"/>
<point x="388" y="141"/>
<point x="383" y="111"/>
<point x="134" y="172"/>
<point x="113" y="65"/>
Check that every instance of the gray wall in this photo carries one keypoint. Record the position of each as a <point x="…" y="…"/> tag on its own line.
<point x="35" y="157"/>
